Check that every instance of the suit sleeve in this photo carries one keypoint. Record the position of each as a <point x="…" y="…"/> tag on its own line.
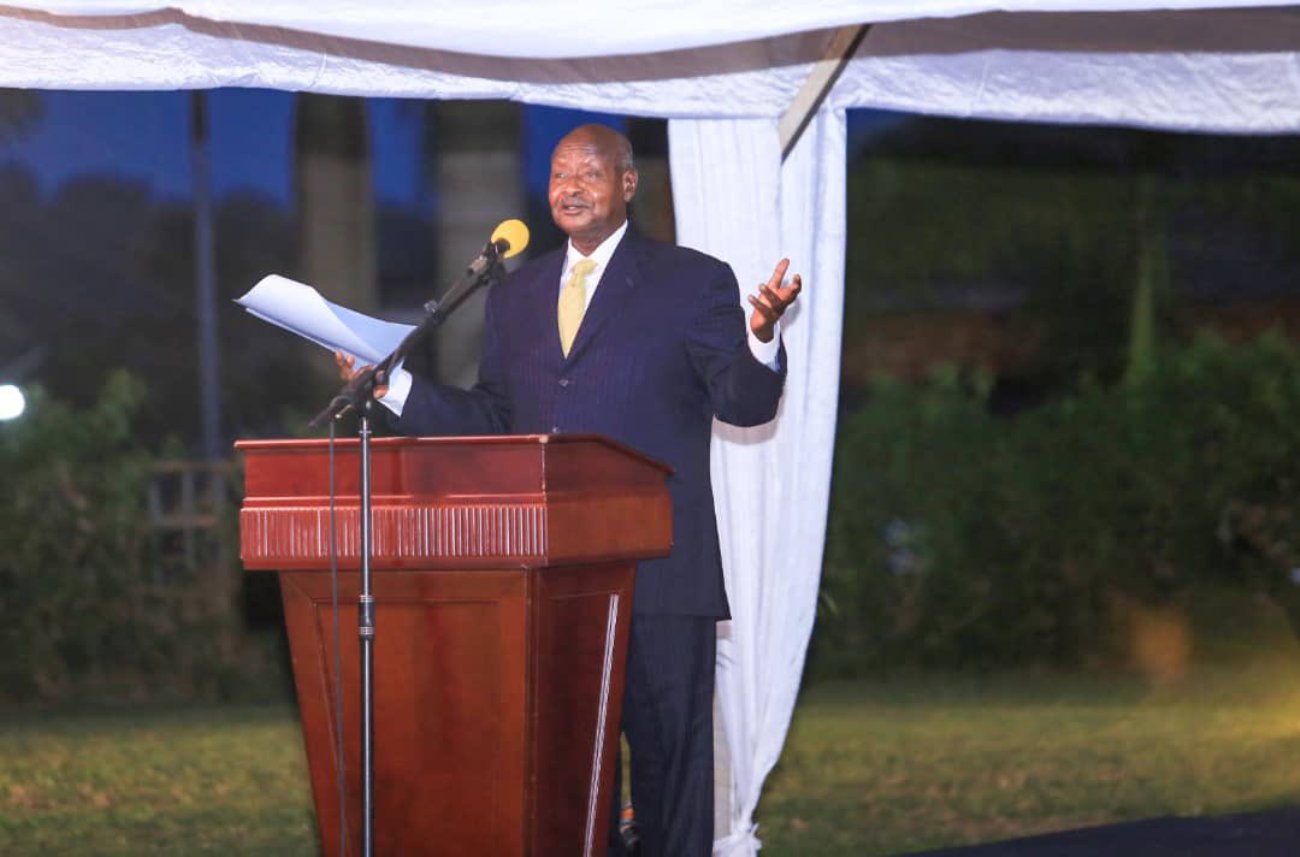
<point x="742" y="391"/>
<point x="440" y="409"/>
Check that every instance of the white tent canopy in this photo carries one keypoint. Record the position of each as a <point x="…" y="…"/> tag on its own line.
<point x="563" y="29"/>
<point x="723" y="73"/>
<point x="1229" y="70"/>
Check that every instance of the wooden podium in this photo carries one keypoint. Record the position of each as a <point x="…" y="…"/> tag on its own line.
<point x="502" y="574"/>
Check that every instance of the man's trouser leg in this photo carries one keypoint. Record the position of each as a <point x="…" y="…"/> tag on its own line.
<point x="668" y="721"/>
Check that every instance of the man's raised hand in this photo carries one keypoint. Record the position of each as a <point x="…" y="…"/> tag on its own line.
<point x="772" y="300"/>
<point x="348" y="370"/>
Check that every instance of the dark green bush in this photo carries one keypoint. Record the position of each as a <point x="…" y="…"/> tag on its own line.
<point x="84" y="610"/>
<point x="959" y="538"/>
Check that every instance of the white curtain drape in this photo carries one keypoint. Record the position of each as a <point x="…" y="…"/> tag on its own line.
<point x="736" y="201"/>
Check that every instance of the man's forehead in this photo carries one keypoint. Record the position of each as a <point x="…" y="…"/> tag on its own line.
<point x="588" y="150"/>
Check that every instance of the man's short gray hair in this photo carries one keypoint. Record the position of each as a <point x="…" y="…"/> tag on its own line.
<point x="625" y="159"/>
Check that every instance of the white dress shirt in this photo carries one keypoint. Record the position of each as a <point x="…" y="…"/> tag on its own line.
<point x="601" y="256"/>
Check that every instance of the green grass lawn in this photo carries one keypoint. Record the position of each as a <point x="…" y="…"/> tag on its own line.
<point x="886" y="768"/>
<point x="133" y="782"/>
<point x="877" y="767"/>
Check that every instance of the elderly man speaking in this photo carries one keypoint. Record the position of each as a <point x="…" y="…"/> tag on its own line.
<point x="645" y="343"/>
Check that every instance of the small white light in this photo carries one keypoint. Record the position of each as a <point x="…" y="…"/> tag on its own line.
<point x="12" y="402"/>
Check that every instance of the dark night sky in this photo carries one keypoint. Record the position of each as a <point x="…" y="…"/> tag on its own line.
<point x="144" y="136"/>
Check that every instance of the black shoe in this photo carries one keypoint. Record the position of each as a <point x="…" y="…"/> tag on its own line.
<point x="628" y="832"/>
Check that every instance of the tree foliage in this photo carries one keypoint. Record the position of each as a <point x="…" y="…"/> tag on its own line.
<point x="20" y="111"/>
<point x="957" y="537"/>
<point x="1103" y="256"/>
<point x="84" y="609"/>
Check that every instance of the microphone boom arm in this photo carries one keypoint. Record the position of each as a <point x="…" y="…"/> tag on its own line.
<point x="358" y="391"/>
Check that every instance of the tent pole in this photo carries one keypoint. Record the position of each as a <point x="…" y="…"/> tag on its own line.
<point x="843" y="45"/>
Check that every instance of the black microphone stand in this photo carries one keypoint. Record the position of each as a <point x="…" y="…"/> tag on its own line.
<point x="358" y="394"/>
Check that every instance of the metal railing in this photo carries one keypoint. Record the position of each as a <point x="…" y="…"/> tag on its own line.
<point x="190" y="506"/>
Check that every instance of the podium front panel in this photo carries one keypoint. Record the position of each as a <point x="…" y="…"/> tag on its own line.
<point x="449" y="708"/>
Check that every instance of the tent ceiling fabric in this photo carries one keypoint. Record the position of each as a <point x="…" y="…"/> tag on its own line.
<point x="1228" y="70"/>
<point x="559" y="29"/>
<point x="1214" y="71"/>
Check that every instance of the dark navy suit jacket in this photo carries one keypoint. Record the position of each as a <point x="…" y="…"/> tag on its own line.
<point x="661" y="350"/>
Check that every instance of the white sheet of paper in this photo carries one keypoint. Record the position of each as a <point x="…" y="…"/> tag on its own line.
<point x="299" y="308"/>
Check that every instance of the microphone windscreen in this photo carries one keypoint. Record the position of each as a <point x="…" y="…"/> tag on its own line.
<point x="514" y="233"/>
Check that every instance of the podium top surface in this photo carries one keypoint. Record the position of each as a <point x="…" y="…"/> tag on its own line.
<point x="456" y="502"/>
<point x="446" y="467"/>
<point x="509" y="440"/>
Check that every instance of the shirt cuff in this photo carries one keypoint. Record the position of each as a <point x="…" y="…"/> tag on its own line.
<point x="767" y="353"/>
<point x="399" y="387"/>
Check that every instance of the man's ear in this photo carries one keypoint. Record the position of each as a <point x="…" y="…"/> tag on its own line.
<point x="630" y="178"/>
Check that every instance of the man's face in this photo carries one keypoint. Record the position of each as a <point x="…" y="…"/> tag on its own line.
<point x="588" y="192"/>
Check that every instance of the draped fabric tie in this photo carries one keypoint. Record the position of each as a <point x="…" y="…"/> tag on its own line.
<point x="573" y="302"/>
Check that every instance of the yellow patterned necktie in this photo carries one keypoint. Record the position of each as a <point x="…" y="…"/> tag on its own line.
<point x="573" y="302"/>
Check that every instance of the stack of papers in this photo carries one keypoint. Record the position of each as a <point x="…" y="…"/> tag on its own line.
<point x="299" y="308"/>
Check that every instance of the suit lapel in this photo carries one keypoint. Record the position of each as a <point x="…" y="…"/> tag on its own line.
<point x="544" y="294"/>
<point x="616" y="286"/>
